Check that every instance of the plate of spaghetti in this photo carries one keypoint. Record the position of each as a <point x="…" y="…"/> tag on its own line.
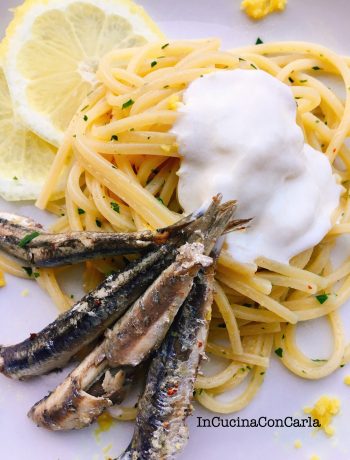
<point x="174" y="220"/>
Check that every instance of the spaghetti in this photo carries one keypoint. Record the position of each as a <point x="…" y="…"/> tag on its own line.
<point x="118" y="162"/>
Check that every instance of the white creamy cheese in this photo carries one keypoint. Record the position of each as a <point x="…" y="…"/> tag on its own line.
<point x="238" y="135"/>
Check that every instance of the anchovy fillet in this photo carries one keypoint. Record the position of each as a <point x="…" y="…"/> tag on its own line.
<point x="161" y="430"/>
<point x="135" y="336"/>
<point x="52" y="250"/>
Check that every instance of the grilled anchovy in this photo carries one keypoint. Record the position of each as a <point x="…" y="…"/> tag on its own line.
<point x="136" y="335"/>
<point x="161" y="430"/>
<point x="51" y="250"/>
<point x="52" y="347"/>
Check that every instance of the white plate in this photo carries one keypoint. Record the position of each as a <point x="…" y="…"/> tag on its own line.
<point x="282" y="394"/>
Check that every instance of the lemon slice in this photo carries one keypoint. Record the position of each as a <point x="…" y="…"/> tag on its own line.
<point x="25" y="159"/>
<point x="52" y="52"/>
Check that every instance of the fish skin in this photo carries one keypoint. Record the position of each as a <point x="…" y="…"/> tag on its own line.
<point x="53" y="347"/>
<point x="70" y="406"/>
<point x="161" y="430"/>
<point x="56" y="249"/>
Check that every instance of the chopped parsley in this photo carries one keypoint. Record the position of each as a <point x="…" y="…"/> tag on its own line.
<point x="315" y="67"/>
<point x="86" y="118"/>
<point x="322" y="298"/>
<point x="164" y="46"/>
<point x="15" y="178"/>
<point x="166" y="87"/>
<point x="302" y="81"/>
<point x="291" y="79"/>
<point x="254" y="66"/>
<point x="262" y="373"/>
<point x="28" y="270"/>
<point x="98" y="223"/>
<point x="319" y="360"/>
<point x="84" y="108"/>
<point x="128" y="103"/>
<point x="153" y="63"/>
<point x="81" y="211"/>
<point x="279" y="352"/>
<point x="115" y="207"/>
<point x="159" y="199"/>
<point x="27" y="239"/>
<point x="114" y="137"/>
<point x="259" y="41"/>
<point x="241" y="59"/>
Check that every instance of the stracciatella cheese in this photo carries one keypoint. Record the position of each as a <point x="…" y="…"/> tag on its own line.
<point x="238" y="135"/>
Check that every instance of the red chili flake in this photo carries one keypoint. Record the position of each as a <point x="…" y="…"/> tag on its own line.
<point x="334" y="150"/>
<point x="200" y="343"/>
<point x="309" y="287"/>
<point x="165" y="424"/>
<point x="172" y="391"/>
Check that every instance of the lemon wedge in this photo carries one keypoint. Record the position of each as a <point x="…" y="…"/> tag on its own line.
<point x="52" y="50"/>
<point x="25" y="159"/>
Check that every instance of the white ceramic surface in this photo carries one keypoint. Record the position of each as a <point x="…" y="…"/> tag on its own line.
<point x="282" y="394"/>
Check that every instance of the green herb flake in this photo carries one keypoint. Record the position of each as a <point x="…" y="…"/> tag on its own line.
<point x="72" y="296"/>
<point x="259" y="41"/>
<point x="74" y="135"/>
<point x="160" y="200"/>
<point x="15" y="178"/>
<point x="154" y="63"/>
<point x="98" y="223"/>
<point x="164" y="46"/>
<point x="319" y="360"/>
<point x="84" y="108"/>
<point x="342" y="365"/>
<point x="27" y="239"/>
<point x="166" y="87"/>
<point x="279" y="352"/>
<point x="132" y="129"/>
<point x="298" y="97"/>
<point x="28" y="270"/>
<point x="254" y="67"/>
<point x="36" y="274"/>
<point x="115" y="207"/>
<point x="315" y="67"/>
<point x="262" y="373"/>
<point x="114" y="137"/>
<point x="291" y="79"/>
<point x="241" y="59"/>
<point x="302" y="81"/>
<point x="128" y="103"/>
<point x="322" y="298"/>
<point x="81" y="211"/>
<point x="86" y="118"/>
